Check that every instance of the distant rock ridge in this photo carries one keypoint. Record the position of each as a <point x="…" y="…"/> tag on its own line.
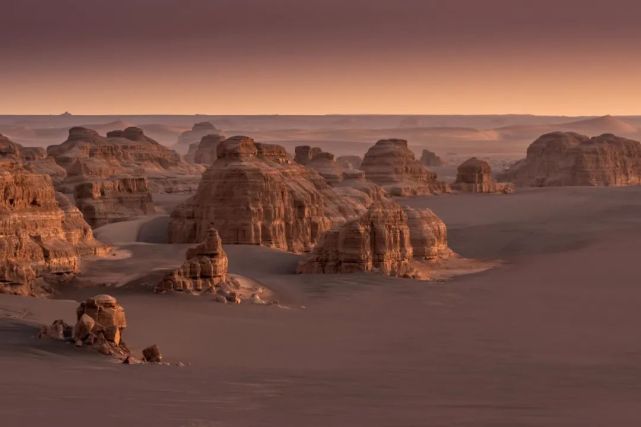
<point x="475" y="176"/>
<point x="195" y="135"/>
<point x="429" y="158"/>
<point x="387" y="238"/>
<point x="392" y="165"/>
<point x="204" y="152"/>
<point x="570" y="159"/>
<point x="255" y="194"/>
<point x="321" y="161"/>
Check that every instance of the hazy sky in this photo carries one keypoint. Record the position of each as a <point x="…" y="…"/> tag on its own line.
<point x="320" y="56"/>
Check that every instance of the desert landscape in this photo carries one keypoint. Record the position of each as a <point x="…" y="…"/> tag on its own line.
<point x="320" y="213"/>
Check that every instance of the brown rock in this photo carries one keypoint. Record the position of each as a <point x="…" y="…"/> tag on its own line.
<point x="568" y="159"/>
<point x="204" y="270"/>
<point x="321" y="161"/>
<point x="254" y="194"/>
<point x="429" y="158"/>
<point x="475" y="176"/>
<point x="386" y="239"/>
<point x="152" y="354"/>
<point x="193" y="136"/>
<point x="108" y="315"/>
<point x="204" y="152"/>
<point x="84" y="326"/>
<point x="392" y="165"/>
<point x="349" y="162"/>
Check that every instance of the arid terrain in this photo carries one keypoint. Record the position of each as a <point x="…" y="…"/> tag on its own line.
<point x="524" y="313"/>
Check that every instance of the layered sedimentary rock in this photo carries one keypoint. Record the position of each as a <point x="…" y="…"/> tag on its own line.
<point x="567" y="158"/>
<point x="475" y="176"/>
<point x="255" y="194"/>
<point x="41" y="233"/>
<point x="34" y="159"/>
<point x="205" y="270"/>
<point x="113" y="200"/>
<point x="193" y="136"/>
<point x="87" y="156"/>
<point x="429" y="158"/>
<point x="392" y="165"/>
<point x="387" y="238"/>
<point x="204" y="151"/>
<point x="349" y="162"/>
<point x="321" y="161"/>
<point x="360" y="193"/>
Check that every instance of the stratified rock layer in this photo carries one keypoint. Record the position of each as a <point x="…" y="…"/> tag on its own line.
<point x="567" y="159"/>
<point x="349" y="162"/>
<point x="387" y="238"/>
<point x="113" y="200"/>
<point x="475" y="176"/>
<point x="392" y="165"/>
<point x="321" y="161"/>
<point x="41" y="233"/>
<point x="255" y="194"/>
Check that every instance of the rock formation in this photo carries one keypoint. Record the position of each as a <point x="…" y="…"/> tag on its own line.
<point x="321" y="161"/>
<point x="387" y="238"/>
<point x="392" y="165"/>
<point x="429" y="158"/>
<point x="475" y="176"/>
<point x="42" y="234"/>
<point x="255" y="194"/>
<point x="34" y="159"/>
<point x="87" y="156"/>
<point x="113" y="200"/>
<point x="349" y="162"/>
<point x="566" y="159"/>
<point x="205" y="270"/>
<point x="204" y="152"/>
<point x="195" y="135"/>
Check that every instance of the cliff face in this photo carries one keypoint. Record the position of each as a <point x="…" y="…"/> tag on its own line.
<point x="475" y="176"/>
<point x="204" y="152"/>
<point x="321" y="161"/>
<point x="392" y="165"/>
<point x="119" y="199"/>
<point x="429" y="158"/>
<point x="255" y="194"/>
<point x="88" y="156"/>
<point x="193" y="136"/>
<point x="566" y="159"/>
<point x="41" y="232"/>
<point x="387" y="238"/>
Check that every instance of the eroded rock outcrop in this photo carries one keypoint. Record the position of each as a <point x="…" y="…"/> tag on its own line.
<point x="87" y="156"/>
<point x="42" y="235"/>
<point x="392" y="165"/>
<point x="113" y="200"/>
<point x="349" y="162"/>
<point x="567" y="158"/>
<point x="475" y="176"/>
<point x="204" y="151"/>
<point x="429" y="158"/>
<point x="321" y="161"/>
<point x="255" y="194"/>
<point x="387" y="239"/>
<point x="195" y="135"/>
<point x="206" y="271"/>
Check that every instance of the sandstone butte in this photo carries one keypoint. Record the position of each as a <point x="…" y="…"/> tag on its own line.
<point x="393" y="166"/>
<point x="429" y="158"/>
<point x="388" y="238"/>
<point x="194" y="135"/>
<point x="349" y="162"/>
<point x="321" y="161"/>
<point x="475" y="176"/>
<point x="204" y="151"/>
<point x="43" y="235"/>
<point x="112" y="177"/>
<point x="255" y="194"/>
<point x="206" y="271"/>
<point x="567" y="159"/>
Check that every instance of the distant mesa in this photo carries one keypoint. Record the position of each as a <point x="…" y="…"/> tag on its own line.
<point x="204" y="151"/>
<point x="392" y="165"/>
<point x="322" y="162"/>
<point x="475" y="176"/>
<point x="570" y="159"/>
<point x="195" y="135"/>
<point x="430" y="159"/>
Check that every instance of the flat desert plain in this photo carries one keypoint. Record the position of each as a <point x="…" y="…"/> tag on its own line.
<point x="548" y="337"/>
